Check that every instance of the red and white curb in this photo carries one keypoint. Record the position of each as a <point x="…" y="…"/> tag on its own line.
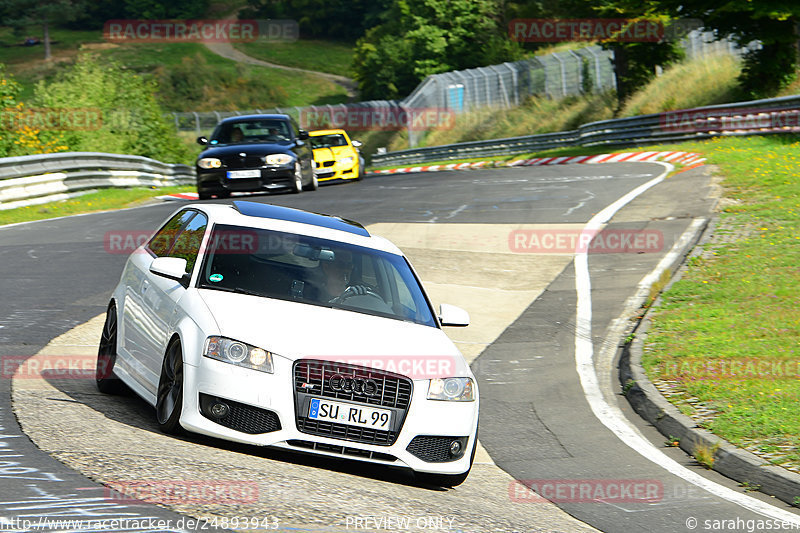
<point x="685" y="159"/>
<point x="179" y="196"/>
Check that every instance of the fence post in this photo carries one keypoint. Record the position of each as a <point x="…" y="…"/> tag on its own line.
<point x="563" y="74"/>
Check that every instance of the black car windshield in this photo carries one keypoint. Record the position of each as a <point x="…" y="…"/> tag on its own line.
<point x="326" y="141"/>
<point x="314" y="271"/>
<point x="252" y="131"/>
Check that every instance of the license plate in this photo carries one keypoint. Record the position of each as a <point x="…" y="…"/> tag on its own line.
<point x="235" y="174"/>
<point x="352" y="415"/>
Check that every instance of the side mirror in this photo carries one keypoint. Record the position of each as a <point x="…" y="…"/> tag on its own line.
<point x="202" y="141"/>
<point x="450" y="315"/>
<point x="357" y="144"/>
<point x="173" y="268"/>
<point x="302" y="135"/>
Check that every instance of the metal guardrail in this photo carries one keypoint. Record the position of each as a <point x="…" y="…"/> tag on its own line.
<point x="36" y="179"/>
<point x="757" y="117"/>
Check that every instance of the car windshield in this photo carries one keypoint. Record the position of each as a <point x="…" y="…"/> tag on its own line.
<point x="252" y="131"/>
<point x="326" y="141"/>
<point x="313" y="271"/>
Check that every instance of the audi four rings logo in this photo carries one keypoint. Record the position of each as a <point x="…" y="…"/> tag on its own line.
<point x="365" y="386"/>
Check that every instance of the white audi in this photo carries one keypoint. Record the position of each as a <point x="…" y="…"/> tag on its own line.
<point x="277" y="327"/>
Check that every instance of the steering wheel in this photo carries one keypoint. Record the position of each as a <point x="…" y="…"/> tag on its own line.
<point x="358" y="290"/>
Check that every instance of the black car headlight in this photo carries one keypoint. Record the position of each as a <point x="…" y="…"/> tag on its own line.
<point x="452" y="389"/>
<point x="278" y="159"/>
<point x="209" y="162"/>
<point x="238" y="353"/>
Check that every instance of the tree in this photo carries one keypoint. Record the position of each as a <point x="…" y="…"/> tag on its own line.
<point x="337" y="19"/>
<point x="423" y="37"/>
<point x="20" y="14"/>
<point x="775" y="24"/>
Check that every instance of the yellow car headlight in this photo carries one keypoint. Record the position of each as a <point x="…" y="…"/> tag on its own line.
<point x="209" y="162"/>
<point x="278" y="159"/>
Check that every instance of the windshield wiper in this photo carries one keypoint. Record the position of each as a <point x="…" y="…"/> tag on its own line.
<point x="237" y="290"/>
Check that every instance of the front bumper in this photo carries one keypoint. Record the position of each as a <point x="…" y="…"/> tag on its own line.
<point x="274" y="399"/>
<point x="337" y="172"/>
<point x="217" y="181"/>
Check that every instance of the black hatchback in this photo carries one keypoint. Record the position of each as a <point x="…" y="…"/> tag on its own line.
<point x="251" y="153"/>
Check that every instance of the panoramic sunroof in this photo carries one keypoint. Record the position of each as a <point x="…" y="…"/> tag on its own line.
<point x="255" y="209"/>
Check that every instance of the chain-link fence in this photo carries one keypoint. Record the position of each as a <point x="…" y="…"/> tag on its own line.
<point x="556" y="75"/>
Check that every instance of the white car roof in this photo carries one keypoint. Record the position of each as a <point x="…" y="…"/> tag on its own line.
<point x="278" y="218"/>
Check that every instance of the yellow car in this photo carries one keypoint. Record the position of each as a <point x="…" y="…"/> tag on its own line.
<point x="335" y="156"/>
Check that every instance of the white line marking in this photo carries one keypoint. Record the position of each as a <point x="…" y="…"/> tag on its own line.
<point x="611" y="417"/>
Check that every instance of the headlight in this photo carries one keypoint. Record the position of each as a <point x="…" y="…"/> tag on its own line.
<point x="452" y="389"/>
<point x="278" y="159"/>
<point x="346" y="161"/>
<point x="209" y="162"/>
<point x="238" y="353"/>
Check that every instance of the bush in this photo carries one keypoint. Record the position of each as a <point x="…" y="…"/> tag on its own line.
<point x="132" y="121"/>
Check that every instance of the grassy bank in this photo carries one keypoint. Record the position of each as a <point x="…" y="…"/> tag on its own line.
<point x="725" y="342"/>
<point x="190" y="77"/>
<point x="322" y="56"/>
<point x="103" y="200"/>
<point x="692" y="83"/>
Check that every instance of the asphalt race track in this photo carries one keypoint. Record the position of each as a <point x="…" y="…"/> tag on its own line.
<point x="469" y="234"/>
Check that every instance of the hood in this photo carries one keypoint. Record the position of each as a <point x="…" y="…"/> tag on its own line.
<point x="255" y="149"/>
<point x="296" y="331"/>
<point x="333" y="152"/>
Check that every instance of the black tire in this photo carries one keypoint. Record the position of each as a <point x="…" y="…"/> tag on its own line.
<point x="314" y="184"/>
<point x="107" y="381"/>
<point x="297" y="179"/>
<point x="169" y="399"/>
<point x="224" y="194"/>
<point x="202" y="195"/>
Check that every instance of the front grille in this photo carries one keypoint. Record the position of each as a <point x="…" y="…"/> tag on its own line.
<point x="394" y="390"/>
<point x="342" y="450"/>
<point x="328" y="163"/>
<point x="312" y="378"/>
<point x="241" y="417"/>
<point x="236" y="162"/>
<point x="433" y="449"/>
<point x="325" y="174"/>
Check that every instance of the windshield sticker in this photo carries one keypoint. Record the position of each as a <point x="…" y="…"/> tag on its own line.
<point x="215" y="277"/>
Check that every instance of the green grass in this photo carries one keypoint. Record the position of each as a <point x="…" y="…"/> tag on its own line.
<point x="27" y="62"/>
<point x="704" y="81"/>
<point x="191" y="77"/>
<point x="322" y="56"/>
<point x="739" y="302"/>
<point x="102" y="200"/>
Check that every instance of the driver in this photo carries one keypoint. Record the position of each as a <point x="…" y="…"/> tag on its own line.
<point x="337" y="276"/>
